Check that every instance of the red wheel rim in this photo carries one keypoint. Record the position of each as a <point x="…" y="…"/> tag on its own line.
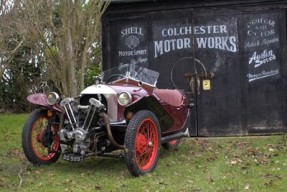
<point x="39" y="150"/>
<point x="146" y="144"/>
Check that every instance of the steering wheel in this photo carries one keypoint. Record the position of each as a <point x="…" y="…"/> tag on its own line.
<point x="115" y="77"/>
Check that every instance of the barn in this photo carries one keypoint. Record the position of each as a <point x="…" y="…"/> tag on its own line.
<point x="233" y="53"/>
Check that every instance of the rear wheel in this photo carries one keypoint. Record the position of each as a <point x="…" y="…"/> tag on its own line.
<point x="142" y="142"/>
<point x="40" y="145"/>
<point x="171" y="145"/>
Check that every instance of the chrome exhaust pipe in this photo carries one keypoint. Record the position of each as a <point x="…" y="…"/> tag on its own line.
<point x="95" y="107"/>
<point x="175" y="136"/>
<point x="109" y="131"/>
<point x="66" y="103"/>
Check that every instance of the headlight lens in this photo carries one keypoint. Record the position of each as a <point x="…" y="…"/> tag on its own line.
<point x="53" y="98"/>
<point x="124" y="98"/>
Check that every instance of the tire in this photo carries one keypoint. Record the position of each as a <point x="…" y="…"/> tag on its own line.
<point x="35" y="140"/>
<point x="171" y="145"/>
<point x="142" y="141"/>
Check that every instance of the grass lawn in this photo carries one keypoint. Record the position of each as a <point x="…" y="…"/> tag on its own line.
<point x="200" y="164"/>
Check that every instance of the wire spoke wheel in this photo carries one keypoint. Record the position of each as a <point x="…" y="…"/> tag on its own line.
<point x="146" y="144"/>
<point x="37" y="139"/>
<point x="40" y="146"/>
<point x="142" y="141"/>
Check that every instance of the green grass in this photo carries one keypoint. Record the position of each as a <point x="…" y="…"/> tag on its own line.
<point x="203" y="164"/>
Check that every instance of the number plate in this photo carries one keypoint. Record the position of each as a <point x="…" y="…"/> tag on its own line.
<point x="73" y="158"/>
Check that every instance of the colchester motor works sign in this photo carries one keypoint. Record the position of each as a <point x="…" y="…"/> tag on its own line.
<point x="211" y="37"/>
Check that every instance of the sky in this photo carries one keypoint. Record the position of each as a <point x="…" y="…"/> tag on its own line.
<point x="5" y="6"/>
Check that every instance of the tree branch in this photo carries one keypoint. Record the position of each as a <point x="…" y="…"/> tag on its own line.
<point x="10" y="57"/>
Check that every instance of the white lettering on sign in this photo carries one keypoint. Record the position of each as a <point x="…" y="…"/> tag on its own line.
<point x="263" y="74"/>
<point x="270" y="41"/>
<point x="210" y="29"/>
<point x="263" y="29"/>
<point x="252" y="44"/>
<point x="197" y="30"/>
<point x="176" y="32"/>
<point x="176" y="38"/>
<point x="262" y="58"/>
<point x="223" y="43"/>
<point x="166" y="46"/>
<point x="132" y="37"/>
<point x="261" y="21"/>
<point x="132" y="30"/>
<point x="132" y="53"/>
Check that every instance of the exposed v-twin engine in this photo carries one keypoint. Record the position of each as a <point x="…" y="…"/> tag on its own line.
<point x="76" y="138"/>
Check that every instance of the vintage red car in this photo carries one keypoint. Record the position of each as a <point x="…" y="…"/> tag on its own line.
<point x="126" y="114"/>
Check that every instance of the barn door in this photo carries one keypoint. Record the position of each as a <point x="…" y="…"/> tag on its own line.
<point x="219" y="80"/>
<point x="196" y="78"/>
<point x="265" y="39"/>
<point x="199" y="82"/>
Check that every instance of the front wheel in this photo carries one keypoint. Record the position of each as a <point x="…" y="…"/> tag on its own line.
<point x="142" y="142"/>
<point x="40" y="144"/>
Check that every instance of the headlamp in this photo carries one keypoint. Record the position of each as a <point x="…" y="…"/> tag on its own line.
<point x="53" y="98"/>
<point x="124" y="98"/>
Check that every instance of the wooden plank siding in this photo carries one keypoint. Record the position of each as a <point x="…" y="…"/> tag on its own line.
<point x="234" y="51"/>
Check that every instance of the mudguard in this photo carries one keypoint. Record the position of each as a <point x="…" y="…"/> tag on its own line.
<point x="40" y="99"/>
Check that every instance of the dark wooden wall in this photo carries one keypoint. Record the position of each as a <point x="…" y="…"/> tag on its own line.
<point x="235" y="52"/>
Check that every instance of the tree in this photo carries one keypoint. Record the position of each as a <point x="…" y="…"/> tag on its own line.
<point x="22" y="74"/>
<point x="10" y="42"/>
<point x="66" y="32"/>
<point x="56" y="41"/>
